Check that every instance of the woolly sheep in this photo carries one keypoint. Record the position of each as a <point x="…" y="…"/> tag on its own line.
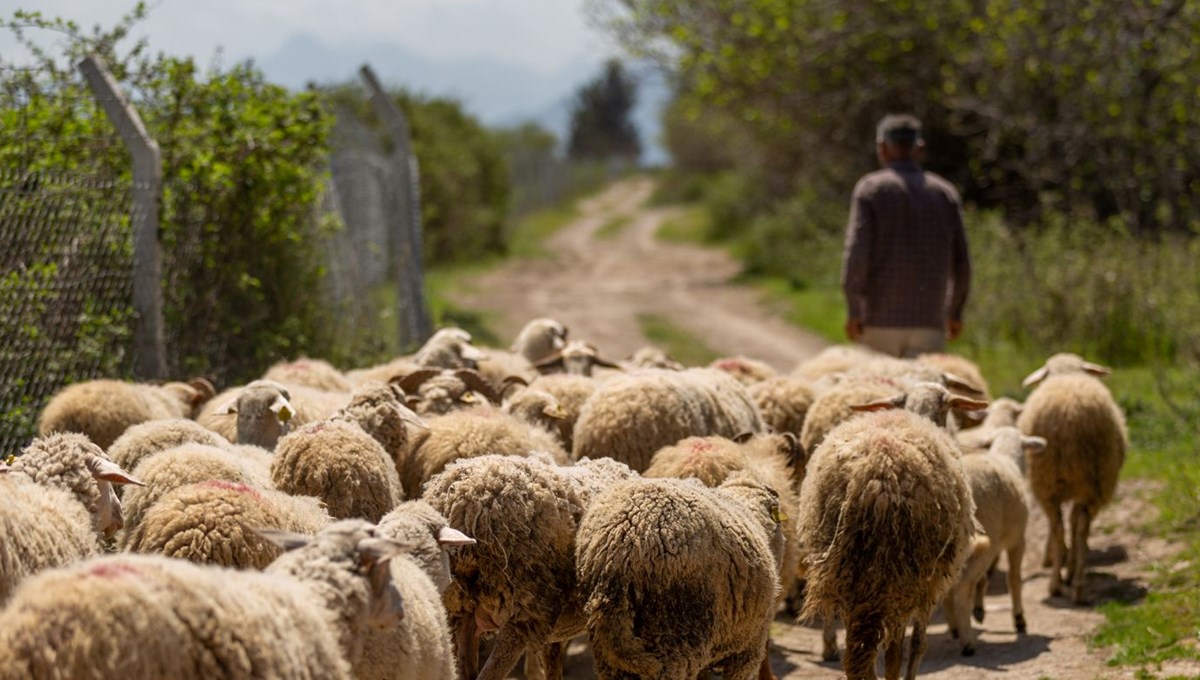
<point x="886" y="522"/>
<point x="389" y="372"/>
<point x="342" y="465"/>
<point x="745" y="370"/>
<point x="784" y="402"/>
<point x="539" y="339"/>
<point x="1002" y="412"/>
<point x="652" y="357"/>
<point x="104" y="409"/>
<point x="315" y="373"/>
<point x="630" y="417"/>
<point x="448" y="348"/>
<point x="212" y="522"/>
<point x="501" y="369"/>
<point x="58" y="502"/>
<point x="834" y="406"/>
<point x="833" y="361"/>
<point x="148" y="438"/>
<point x="470" y="434"/>
<point x="575" y="358"/>
<point x="146" y="616"/>
<point x="998" y="490"/>
<point x="679" y="578"/>
<point x="957" y="365"/>
<point x="421" y="648"/>
<point x="182" y="465"/>
<point x="572" y="392"/>
<point x="519" y="577"/>
<point x="379" y="410"/>
<point x="266" y="416"/>
<point x="773" y="459"/>
<point x="433" y="391"/>
<point x="539" y="408"/>
<point x="1086" y="441"/>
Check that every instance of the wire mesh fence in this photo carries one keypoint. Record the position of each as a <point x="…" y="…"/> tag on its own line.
<point x="69" y="290"/>
<point x="65" y="289"/>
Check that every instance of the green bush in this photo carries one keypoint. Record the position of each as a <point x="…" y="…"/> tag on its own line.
<point x="243" y="171"/>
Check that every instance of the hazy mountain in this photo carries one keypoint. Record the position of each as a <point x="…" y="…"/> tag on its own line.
<point x="500" y="94"/>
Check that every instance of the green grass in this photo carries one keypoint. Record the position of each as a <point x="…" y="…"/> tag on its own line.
<point x="529" y="234"/>
<point x="690" y="226"/>
<point x="613" y="227"/>
<point x="682" y="345"/>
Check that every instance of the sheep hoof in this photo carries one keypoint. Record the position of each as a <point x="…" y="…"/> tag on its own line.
<point x="954" y="633"/>
<point x="1019" y="622"/>
<point x="968" y="650"/>
<point x="978" y="613"/>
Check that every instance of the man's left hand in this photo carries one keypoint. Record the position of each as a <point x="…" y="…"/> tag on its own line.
<point x="953" y="330"/>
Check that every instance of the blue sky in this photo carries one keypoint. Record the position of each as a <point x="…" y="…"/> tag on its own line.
<point x="540" y="35"/>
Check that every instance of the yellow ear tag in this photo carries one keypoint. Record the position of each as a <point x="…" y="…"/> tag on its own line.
<point x="468" y="398"/>
<point x="285" y="414"/>
<point x="11" y="459"/>
<point x="778" y="516"/>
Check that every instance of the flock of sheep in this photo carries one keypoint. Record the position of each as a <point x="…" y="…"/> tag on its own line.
<point x="411" y="519"/>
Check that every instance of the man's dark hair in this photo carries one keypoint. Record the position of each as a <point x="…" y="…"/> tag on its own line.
<point x="900" y="129"/>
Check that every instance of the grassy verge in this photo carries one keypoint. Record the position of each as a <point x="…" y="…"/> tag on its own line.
<point x="682" y="345"/>
<point x="690" y="226"/>
<point x="529" y="234"/>
<point x="440" y="285"/>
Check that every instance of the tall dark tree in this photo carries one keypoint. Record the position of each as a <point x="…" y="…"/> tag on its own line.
<point x="601" y="124"/>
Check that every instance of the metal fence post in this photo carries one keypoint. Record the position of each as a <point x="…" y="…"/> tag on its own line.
<point x="415" y="321"/>
<point x="149" y="347"/>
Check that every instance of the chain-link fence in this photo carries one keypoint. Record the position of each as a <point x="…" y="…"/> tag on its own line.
<point x="66" y="277"/>
<point x="69" y="296"/>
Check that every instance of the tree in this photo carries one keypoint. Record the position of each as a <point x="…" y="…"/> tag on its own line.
<point x="601" y="127"/>
<point x="1028" y="106"/>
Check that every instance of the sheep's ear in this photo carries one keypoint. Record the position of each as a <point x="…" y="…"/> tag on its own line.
<point x="204" y="390"/>
<point x="109" y="471"/>
<point x="228" y="408"/>
<point x="552" y="360"/>
<point x="797" y="456"/>
<point x="881" y="405"/>
<point x="472" y="353"/>
<point x="282" y="408"/>
<point x="410" y="416"/>
<point x="743" y="437"/>
<point x="1096" y="369"/>
<point x="601" y="361"/>
<point x="963" y="385"/>
<point x="1035" y="377"/>
<point x="288" y="540"/>
<point x="964" y="404"/>
<point x="977" y="416"/>
<point x="374" y="554"/>
<point x="449" y="537"/>
<point x="1033" y="444"/>
<point x="555" y="411"/>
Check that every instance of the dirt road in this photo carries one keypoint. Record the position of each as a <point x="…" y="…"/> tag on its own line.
<point x="599" y="286"/>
